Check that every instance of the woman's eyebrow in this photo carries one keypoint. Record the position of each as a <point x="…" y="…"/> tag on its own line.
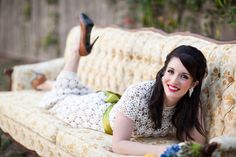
<point x="186" y="73"/>
<point x="181" y="72"/>
<point x="171" y="68"/>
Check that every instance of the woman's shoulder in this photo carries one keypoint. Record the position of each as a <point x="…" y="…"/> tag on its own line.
<point x="141" y="87"/>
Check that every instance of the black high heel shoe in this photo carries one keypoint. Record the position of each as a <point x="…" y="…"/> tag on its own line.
<point x="86" y="25"/>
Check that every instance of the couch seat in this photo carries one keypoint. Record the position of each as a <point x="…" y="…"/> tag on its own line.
<point x="22" y="109"/>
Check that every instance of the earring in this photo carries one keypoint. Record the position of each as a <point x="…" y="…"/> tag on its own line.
<point x="190" y="92"/>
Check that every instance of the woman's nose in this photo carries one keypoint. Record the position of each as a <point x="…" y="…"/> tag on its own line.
<point x="175" y="79"/>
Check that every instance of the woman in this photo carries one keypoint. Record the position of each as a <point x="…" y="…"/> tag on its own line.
<point x="150" y="108"/>
<point x="172" y="100"/>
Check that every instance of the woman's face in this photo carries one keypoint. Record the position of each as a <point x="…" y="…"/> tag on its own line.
<point x="176" y="81"/>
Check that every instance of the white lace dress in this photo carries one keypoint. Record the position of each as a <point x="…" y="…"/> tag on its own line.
<point x="77" y="105"/>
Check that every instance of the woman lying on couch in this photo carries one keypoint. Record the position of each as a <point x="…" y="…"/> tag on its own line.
<point x="150" y="108"/>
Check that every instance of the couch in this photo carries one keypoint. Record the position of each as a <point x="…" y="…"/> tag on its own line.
<point x="119" y="58"/>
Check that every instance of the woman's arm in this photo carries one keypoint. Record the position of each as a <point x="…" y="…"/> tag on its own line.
<point x="199" y="138"/>
<point x="121" y="143"/>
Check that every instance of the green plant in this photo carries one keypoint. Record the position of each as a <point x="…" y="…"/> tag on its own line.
<point x="227" y="10"/>
<point x="27" y="10"/>
<point x="51" y="39"/>
<point x="55" y="2"/>
<point x="198" y="16"/>
<point x="231" y="14"/>
<point x="4" y="143"/>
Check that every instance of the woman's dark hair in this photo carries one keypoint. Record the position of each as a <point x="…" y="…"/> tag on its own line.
<point x="186" y="115"/>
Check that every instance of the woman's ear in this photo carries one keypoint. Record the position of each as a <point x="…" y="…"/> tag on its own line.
<point x="195" y="84"/>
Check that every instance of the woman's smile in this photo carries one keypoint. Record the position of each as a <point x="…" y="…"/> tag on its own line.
<point x="172" y="88"/>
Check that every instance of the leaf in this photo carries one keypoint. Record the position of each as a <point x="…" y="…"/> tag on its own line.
<point x="196" y="149"/>
<point x="233" y="10"/>
<point x="219" y="3"/>
<point x="5" y="143"/>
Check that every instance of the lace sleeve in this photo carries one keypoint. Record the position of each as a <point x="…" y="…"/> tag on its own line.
<point x="129" y="102"/>
<point x="135" y="99"/>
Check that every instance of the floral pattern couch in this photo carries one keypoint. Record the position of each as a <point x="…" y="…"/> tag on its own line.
<point x="118" y="59"/>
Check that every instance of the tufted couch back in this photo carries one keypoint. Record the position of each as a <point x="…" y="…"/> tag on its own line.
<point x="121" y="58"/>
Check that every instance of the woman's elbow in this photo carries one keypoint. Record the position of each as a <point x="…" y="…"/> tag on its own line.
<point x="115" y="147"/>
<point x="118" y="147"/>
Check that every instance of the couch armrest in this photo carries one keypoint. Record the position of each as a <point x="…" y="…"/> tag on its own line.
<point x="23" y="74"/>
<point x="225" y="143"/>
<point x="8" y="72"/>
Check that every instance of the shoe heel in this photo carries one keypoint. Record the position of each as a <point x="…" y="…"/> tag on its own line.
<point x="91" y="46"/>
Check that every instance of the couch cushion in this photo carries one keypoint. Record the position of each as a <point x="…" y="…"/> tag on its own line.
<point x="21" y="107"/>
<point x="84" y="142"/>
<point x="30" y="139"/>
<point x="87" y="142"/>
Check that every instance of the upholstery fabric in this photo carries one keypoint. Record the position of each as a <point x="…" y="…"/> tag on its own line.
<point x="119" y="58"/>
<point x="22" y="108"/>
<point x="24" y="74"/>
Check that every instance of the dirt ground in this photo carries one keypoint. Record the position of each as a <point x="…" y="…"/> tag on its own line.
<point x="8" y="147"/>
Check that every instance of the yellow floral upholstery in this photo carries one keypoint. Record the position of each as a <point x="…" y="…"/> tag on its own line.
<point x="119" y="58"/>
<point x="22" y="106"/>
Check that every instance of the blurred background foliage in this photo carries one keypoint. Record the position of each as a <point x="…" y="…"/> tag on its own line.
<point x="206" y="17"/>
<point x="40" y="28"/>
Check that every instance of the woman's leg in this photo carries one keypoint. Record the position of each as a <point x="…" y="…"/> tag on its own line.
<point x="67" y="82"/>
<point x="73" y="60"/>
<point x="41" y="83"/>
<point x="83" y="48"/>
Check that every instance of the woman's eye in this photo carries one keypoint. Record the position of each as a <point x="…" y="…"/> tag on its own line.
<point x="170" y="71"/>
<point x="185" y="77"/>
